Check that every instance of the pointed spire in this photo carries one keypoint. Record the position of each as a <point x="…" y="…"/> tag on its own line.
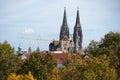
<point x="64" y="31"/>
<point x="77" y="34"/>
<point x="64" y="17"/>
<point x="77" y="18"/>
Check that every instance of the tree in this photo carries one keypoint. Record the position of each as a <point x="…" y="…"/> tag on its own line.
<point x="110" y="46"/>
<point x="33" y="64"/>
<point x="9" y="63"/>
<point x="93" y="48"/>
<point x="38" y="66"/>
<point x="93" y="68"/>
<point x="111" y="40"/>
<point x="54" y="75"/>
<point x="49" y="62"/>
<point x="5" y="48"/>
<point x="13" y="76"/>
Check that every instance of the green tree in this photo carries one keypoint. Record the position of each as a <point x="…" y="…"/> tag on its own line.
<point x="93" y="68"/>
<point x="110" y="46"/>
<point x="93" y="48"/>
<point x="49" y="62"/>
<point x="5" y="48"/>
<point x="33" y="64"/>
<point x="9" y="63"/>
<point x="111" y="41"/>
<point x="38" y="66"/>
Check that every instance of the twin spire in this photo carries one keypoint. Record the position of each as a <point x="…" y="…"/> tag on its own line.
<point x="65" y="17"/>
<point x="77" y="33"/>
<point x="64" y="28"/>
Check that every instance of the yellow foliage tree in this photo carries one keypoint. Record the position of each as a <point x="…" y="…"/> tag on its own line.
<point x="12" y="76"/>
<point x="28" y="76"/>
<point x="54" y="75"/>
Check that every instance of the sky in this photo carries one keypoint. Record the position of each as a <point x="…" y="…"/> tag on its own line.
<point x="33" y="19"/>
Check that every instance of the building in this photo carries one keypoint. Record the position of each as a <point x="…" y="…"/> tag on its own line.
<point x="77" y="34"/>
<point x="65" y="44"/>
<point x="60" y="58"/>
<point x="54" y="46"/>
<point x="64" y="31"/>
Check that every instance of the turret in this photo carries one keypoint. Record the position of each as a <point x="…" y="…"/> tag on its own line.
<point x="20" y="50"/>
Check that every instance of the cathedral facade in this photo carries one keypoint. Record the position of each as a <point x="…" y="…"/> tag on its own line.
<point x="66" y="44"/>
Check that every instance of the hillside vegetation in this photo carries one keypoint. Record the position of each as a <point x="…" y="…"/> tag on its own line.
<point x="102" y="63"/>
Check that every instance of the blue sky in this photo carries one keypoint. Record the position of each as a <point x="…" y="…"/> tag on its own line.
<point x="34" y="18"/>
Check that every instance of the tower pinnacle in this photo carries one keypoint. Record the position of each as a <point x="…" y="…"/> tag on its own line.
<point x="64" y="17"/>
<point x="77" y="34"/>
<point x="77" y="18"/>
<point x="64" y="32"/>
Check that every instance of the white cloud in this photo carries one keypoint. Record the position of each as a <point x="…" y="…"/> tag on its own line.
<point x="28" y="31"/>
<point x="96" y="17"/>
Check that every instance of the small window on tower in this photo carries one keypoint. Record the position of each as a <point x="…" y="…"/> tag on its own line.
<point x="64" y="45"/>
<point x="64" y="48"/>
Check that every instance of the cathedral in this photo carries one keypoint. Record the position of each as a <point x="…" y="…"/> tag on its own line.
<point x="68" y="43"/>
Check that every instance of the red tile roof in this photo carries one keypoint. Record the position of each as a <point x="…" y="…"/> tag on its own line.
<point x="59" y="57"/>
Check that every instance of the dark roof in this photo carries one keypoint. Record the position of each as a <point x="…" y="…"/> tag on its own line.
<point x="56" y="42"/>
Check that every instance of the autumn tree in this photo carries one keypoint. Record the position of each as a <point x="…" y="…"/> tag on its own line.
<point x="49" y="62"/>
<point x="9" y="63"/>
<point x="6" y="48"/>
<point x="93" y="48"/>
<point x="110" y="46"/>
<point x="38" y="66"/>
<point x="33" y="64"/>
<point x="93" y="68"/>
<point x="28" y="76"/>
<point x="111" y="41"/>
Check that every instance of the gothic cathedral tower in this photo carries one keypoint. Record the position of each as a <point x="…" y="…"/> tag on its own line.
<point x="64" y="43"/>
<point x="77" y="34"/>
<point x="64" y="31"/>
<point x="64" y="34"/>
